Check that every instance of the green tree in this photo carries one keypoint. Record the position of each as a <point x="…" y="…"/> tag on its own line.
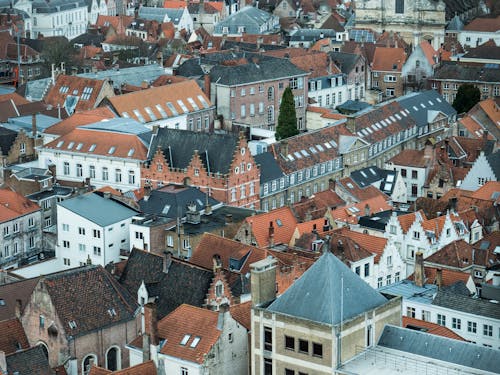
<point x="467" y="97"/>
<point x="55" y="51"/>
<point x="287" y="119"/>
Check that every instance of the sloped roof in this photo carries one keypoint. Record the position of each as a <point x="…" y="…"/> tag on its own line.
<point x="484" y="24"/>
<point x="460" y="254"/>
<point x="374" y="244"/>
<point x="440" y="348"/>
<point x="283" y="222"/>
<point x="351" y="213"/>
<point x="146" y="368"/>
<point x="407" y="220"/>
<point x="317" y="205"/>
<point x="410" y="158"/>
<point x="78" y="119"/>
<point x="459" y="302"/>
<point x="336" y="283"/>
<point x="132" y="76"/>
<point x="7" y="138"/>
<point x="99" y="210"/>
<point x="13" y="337"/>
<point x="449" y="277"/>
<point x="97" y="290"/>
<point x="29" y="361"/>
<point x="432" y="328"/>
<point x="242" y="314"/>
<point x="11" y="292"/>
<point x="183" y="283"/>
<point x="13" y="205"/>
<point x="202" y="324"/>
<point x="388" y="59"/>
<point x="269" y="168"/>
<point x="215" y="150"/>
<point x="494" y="162"/>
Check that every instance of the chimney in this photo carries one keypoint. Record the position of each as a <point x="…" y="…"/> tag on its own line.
<point x="351" y="124"/>
<point x="151" y="322"/>
<point x="439" y="278"/>
<point x="263" y="281"/>
<point x="217" y="263"/>
<point x="167" y="261"/>
<point x="340" y="246"/>
<point x="485" y="135"/>
<point x="478" y="152"/>
<point x="419" y="274"/>
<point x="223" y="313"/>
<point x="18" y="308"/>
<point x="147" y="192"/>
<point x="271" y="234"/>
<point x="367" y="210"/>
<point x="106" y="195"/>
<point x="326" y="226"/>
<point x="207" y="82"/>
<point x="33" y="125"/>
<point x="229" y="218"/>
<point x="87" y="184"/>
<point x="284" y="148"/>
<point x="452" y="203"/>
<point x="3" y="361"/>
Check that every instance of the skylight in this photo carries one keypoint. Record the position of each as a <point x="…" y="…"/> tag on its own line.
<point x="111" y="150"/>
<point x="279" y="222"/>
<point x="150" y="113"/>
<point x="397" y="116"/>
<point x="359" y="134"/>
<point x="185" y="339"/>
<point x="126" y="115"/>
<point x="363" y="174"/>
<point x="439" y="100"/>
<point x="87" y="92"/>
<point x="182" y="105"/>
<point x="59" y="144"/>
<point x="160" y="109"/>
<point x="403" y="113"/>
<point x="320" y="148"/>
<point x="63" y="89"/>
<point x="327" y="145"/>
<point x="193" y="104"/>
<point x="92" y="147"/>
<point x="390" y="178"/>
<point x="131" y="152"/>
<point x="203" y="101"/>
<point x="79" y="146"/>
<point x="290" y="157"/>
<point x="297" y="155"/>
<point x="304" y="152"/>
<point x="373" y="172"/>
<point x="392" y="118"/>
<point x="195" y="342"/>
<point x="388" y="187"/>
<point x="333" y="143"/>
<point x="313" y="150"/>
<point x="138" y="115"/>
<point x="70" y="145"/>
<point x="350" y="186"/>
<point x="422" y="105"/>
<point x="172" y="109"/>
<point x="431" y="103"/>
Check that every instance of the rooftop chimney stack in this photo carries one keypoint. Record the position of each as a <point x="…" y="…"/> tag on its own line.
<point x="263" y="281"/>
<point x="326" y="226"/>
<point x="419" y="269"/>
<point x="439" y="278"/>
<point x="33" y="125"/>
<point x="167" y="261"/>
<point x="271" y="234"/>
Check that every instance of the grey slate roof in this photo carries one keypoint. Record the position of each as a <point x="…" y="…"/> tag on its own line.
<point x="308" y="35"/>
<point x="263" y="70"/>
<point x="24" y="122"/>
<point x="317" y="294"/>
<point x="467" y="304"/>
<point x="369" y="175"/>
<point x="455" y="24"/>
<point x="99" y="210"/>
<point x="345" y="61"/>
<point x="55" y="191"/>
<point x="425" y="98"/>
<point x="7" y="138"/>
<point x="29" y="361"/>
<point x="451" y="70"/>
<point x="269" y="168"/>
<point x="152" y="14"/>
<point x="249" y="17"/>
<point x="54" y="6"/>
<point x="36" y="90"/>
<point x="494" y="162"/>
<point x="440" y="348"/>
<point x="173" y="203"/>
<point x="178" y="147"/>
<point x="132" y="76"/>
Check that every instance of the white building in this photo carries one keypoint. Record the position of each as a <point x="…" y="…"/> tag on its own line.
<point x="484" y="169"/>
<point x="109" y="153"/>
<point x="479" y="31"/>
<point x="92" y="227"/>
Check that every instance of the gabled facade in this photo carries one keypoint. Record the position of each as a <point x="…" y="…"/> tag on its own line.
<point x="355" y="69"/>
<point x="16" y="147"/>
<point x="248" y="20"/>
<point x="219" y="164"/>
<point x="484" y="169"/>
<point x="386" y="68"/>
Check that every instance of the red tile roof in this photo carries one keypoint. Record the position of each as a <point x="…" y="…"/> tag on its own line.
<point x="15" y="97"/>
<point x="429" y="52"/>
<point x="487" y="191"/>
<point x="373" y="244"/>
<point x="242" y="314"/>
<point x="449" y="277"/>
<point x="146" y="368"/>
<point x="12" y="337"/>
<point x="79" y="119"/>
<point x="137" y="102"/>
<point x="13" y="205"/>
<point x="283" y="221"/>
<point x="388" y="59"/>
<point x="410" y="158"/>
<point x="487" y="24"/>
<point x="432" y="328"/>
<point x="359" y="193"/>
<point x="408" y="219"/>
<point x="202" y="323"/>
<point x="10" y="293"/>
<point x="316" y="205"/>
<point x="104" y="141"/>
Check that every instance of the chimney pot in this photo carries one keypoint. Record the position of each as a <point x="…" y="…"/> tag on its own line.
<point x="419" y="269"/>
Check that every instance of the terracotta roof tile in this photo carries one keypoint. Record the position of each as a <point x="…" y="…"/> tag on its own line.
<point x="459" y="254"/>
<point x="488" y="24"/>
<point x="13" y="205"/>
<point x="407" y="220"/>
<point x="388" y="59"/>
<point x="309" y="226"/>
<point x="410" y="158"/>
<point x="316" y="205"/>
<point x="373" y="244"/>
<point x="146" y="368"/>
<point x="134" y="104"/>
<point x="75" y="86"/>
<point x="359" y="193"/>
<point x="317" y="63"/>
<point x="346" y="248"/>
<point x="79" y="119"/>
<point x="13" y="336"/>
<point x="119" y="23"/>
<point x="10" y="293"/>
<point x="429" y="52"/>
<point x="450" y="277"/>
<point x="202" y="323"/>
<point x="432" y="328"/>
<point x="15" y="97"/>
<point x="242" y="314"/>
<point x="123" y="143"/>
<point x="283" y="221"/>
<point x="487" y="191"/>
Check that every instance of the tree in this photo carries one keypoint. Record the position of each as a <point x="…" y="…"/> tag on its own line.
<point x="55" y="51"/>
<point x="287" y="119"/>
<point x="467" y="97"/>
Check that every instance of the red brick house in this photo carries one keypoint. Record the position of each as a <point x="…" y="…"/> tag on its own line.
<point x="220" y="164"/>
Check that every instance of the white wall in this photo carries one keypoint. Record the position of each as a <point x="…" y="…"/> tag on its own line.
<point x="472" y="38"/>
<point x="480" y="170"/>
<point x="42" y="268"/>
<point x="136" y="231"/>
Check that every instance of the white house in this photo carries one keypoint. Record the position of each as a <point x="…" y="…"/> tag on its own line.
<point x="92" y="227"/>
<point x="59" y="18"/>
<point x="109" y="153"/>
<point x="479" y="31"/>
<point x="484" y="169"/>
<point x="180" y="17"/>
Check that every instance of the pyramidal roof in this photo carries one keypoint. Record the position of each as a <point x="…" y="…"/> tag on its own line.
<point x="317" y="294"/>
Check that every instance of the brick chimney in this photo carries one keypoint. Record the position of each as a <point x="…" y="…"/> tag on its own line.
<point x="284" y="148"/>
<point x="150" y="335"/>
<point x="439" y="278"/>
<point x="18" y="308"/>
<point x="419" y="274"/>
<point x="167" y="261"/>
<point x="33" y="125"/>
<point x="206" y="84"/>
<point x="271" y="234"/>
<point x="326" y="226"/>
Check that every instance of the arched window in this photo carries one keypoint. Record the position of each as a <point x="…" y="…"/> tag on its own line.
<point x="113" y="358"/>
<point x="270" y="93"/>
<point x="44" y="348"/>
<point x="219" y="289"/>
<point x="87" y="363"/>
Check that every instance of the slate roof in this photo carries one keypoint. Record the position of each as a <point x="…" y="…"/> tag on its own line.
<point x="7" y="138"/>
<point x="311" y="35"/>
<point x="11" y="292"/>
<point x="422" y="103"/>
<point x="345" y="61"/>
<point x="267" y="69"/>
<point x="455" y="24"/>
<point x="29" y="361"/>
<point x="269" y="168"/>
<point x="132" y="76"/>
<point x="494" y="162"/>
<point x="178" y="148"/>
<point x="370" y="175"/>
<point x="327" y="274"/>
<point x="440" y="348"/>
<point x="183" y="283"/>
<point x="250" y="17"/>
<point x="37" y="89"/>
<point x="467" y="304"/>
<point x="172" y="201"/>
<point x="56" y="5"/>
<point x="106" y="302"/>
<point x="99" y="210"/>
<point x="452" y="71"/>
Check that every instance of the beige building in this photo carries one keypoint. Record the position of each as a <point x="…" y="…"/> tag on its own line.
<point x="319" y="322"/>
<point x="414" y="20"/>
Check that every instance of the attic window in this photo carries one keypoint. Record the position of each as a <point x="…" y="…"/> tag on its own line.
<point x="328" y="145"/>
<point x="131" y="152"/>
<point x="195" y="342"/>
<point x="160" y="109"/>
<point x="193" y="104"/>
<point x="112" y="150"/>
<point x="320" y="148"/>
<point x="150" y="113"/>
<point x="138" y="115"/>
<point x="2" y="302"/>
<point x="350" y="186"/>
<point x="72" y="324"/>
<point x="185" y="339"/>
<point x="75" y="92"/>
<point x="92" y="147"/>
<point x="70" y="145"/>
<point x="313" y="150"/>
<point x="87" y="91"/>
<point x="59" y="144"/>
<point x="79" y="146"/>
<point x="182" y="105"/>
<point x="172" y="109"/>
<point x="63" y="89"/>
<point x="111" y="312"/>
<point x="203" y="101"/>
<point x="279" y="222"/>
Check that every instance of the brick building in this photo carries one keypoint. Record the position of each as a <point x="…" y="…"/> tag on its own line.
<point x="387" y="66"/>
<point x="220" y="164"/>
